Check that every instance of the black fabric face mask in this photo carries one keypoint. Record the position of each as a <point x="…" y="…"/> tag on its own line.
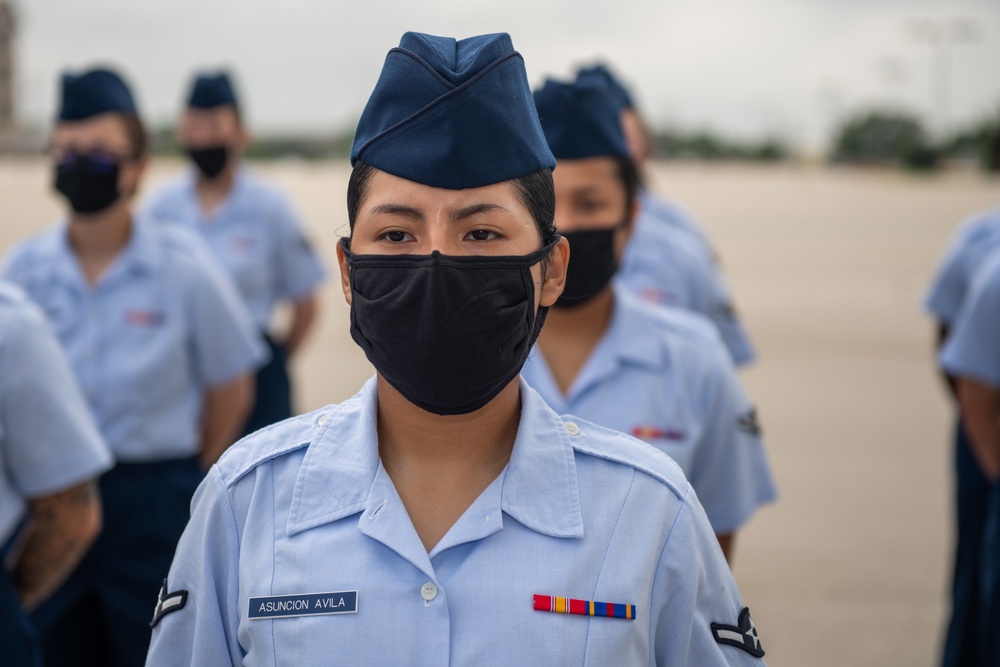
<point x="89" y="183"/>
<point x="447" y="332"/>
<point x="592" y="264"/>
<point x="210" y="161"/>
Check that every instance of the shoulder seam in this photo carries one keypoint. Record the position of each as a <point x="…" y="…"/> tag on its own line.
<point x="579" y="445"/>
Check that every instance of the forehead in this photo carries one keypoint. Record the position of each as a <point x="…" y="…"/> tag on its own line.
<point x="221" y="116"/>
<point x="385" y="188"/>
<point x="594" y="171"/>
<point x="106" y="130"/>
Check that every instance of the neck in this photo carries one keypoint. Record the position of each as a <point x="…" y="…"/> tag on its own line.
<point x="478" y="443"/>
<point x="589" y="320"/>
<point x="102" y="235"/>
<point x="221" y="185"/>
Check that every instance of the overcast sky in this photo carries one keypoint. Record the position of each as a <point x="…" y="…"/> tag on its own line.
<point x="739" y="66"/>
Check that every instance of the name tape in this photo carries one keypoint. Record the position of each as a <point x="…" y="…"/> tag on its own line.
<point x="309" y="604"/>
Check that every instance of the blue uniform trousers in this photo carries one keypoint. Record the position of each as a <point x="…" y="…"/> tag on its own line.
<point x="273" y="402"/>
<point x="972" y="493"/>
<point x="18" y="645"/>
<point x="101" y="615"/>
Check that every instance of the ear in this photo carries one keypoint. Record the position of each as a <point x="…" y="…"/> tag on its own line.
<point x="627" y="229"/>
<point x="555" y="274"/>
<point x="345" y="274"/>
<point x="138" y="169"/>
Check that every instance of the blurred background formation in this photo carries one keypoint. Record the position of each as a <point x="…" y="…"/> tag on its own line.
<point x="826" y="153"/>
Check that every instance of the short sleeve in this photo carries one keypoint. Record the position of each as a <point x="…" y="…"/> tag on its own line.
<point x="205" y="574"/>
<point x="299" y="270"/>
<point x="49" y="438"/>
<point x="947" y="290"/>
<point x="973" y="346"/>
<point x="716" y="303"/>
<point x="226" y="341"/>
<point x="693" y="595"/>
<point x="730" y="471"/>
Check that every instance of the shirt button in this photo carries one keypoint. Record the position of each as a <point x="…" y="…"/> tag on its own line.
<point x="572" y="428"/>
<point x="428" y="591"/>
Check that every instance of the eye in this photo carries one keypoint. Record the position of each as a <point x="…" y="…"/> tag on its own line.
<point x="482" y="235"/>
<point x="396" y="236"/>
<point x="589" y="205"/>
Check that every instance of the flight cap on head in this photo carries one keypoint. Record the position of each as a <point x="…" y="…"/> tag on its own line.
<point x="210" y="90"/>
<point x="452" y="114"/>
<point x="599" y="74"/>
<point x="580" y="120"/>
<point x="92" y="93"/>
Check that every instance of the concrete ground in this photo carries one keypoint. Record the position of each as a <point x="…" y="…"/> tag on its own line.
<point x="851" y="566"/>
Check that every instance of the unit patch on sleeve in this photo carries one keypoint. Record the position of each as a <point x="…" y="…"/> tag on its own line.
<point x="742" y="636"/>
<point x="167" y="603"/>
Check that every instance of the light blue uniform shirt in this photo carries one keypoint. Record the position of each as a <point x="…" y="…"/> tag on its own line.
<point x="671" y="213"/>
<point x="579" y="511"/>
<point x="662" y="375"/>
<point x="48" y="440"/>
<point x="162" y="325"/>
<point x="974" y="240"/>
<point x="666" y="265"/>
<point x="255" y="235"/>
<point x="973" y="346"/>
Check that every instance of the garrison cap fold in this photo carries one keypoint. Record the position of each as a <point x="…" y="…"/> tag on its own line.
<point x="599" y="74"/>
<point x="580" y="120"/>
<point x="452" y="114"/>
<point x="92" y="93"/>
<point x="210" y="90"/>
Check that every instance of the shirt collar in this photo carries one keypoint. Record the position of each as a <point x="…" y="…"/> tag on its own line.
<point x="141" y="254"/>
<point x="539" y="488"/>
<point x="634" y="332"/>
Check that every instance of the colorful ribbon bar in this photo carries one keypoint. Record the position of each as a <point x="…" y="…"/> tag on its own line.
<point x="559" y="605"/>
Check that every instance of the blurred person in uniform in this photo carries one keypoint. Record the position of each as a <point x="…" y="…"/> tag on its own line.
<point x="161" y="346"/>
<point x="659" y="374"/>
<point x="250" y="227"/>
<point x="669" y="259"/>
<point x="970" y="246"/>
<point x="971" y="357"/>
<point x="50" y="457"/>
<point x="445" y="514"/>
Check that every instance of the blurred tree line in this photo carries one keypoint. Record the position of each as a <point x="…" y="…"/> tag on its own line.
<point x="894" y="138"/>
<point x="867" y="138"/>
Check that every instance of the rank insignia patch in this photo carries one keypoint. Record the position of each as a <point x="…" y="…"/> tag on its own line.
<point x="168" y="603"/>
<point x="749" y="422"/>
<point x="742" y="636"/>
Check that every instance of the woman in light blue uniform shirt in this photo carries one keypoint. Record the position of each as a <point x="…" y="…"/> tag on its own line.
<point x="971" y="356"/>
<point x="161" y="347"/>
<point x="251" y="229"/>
<point x="668" y="259"/>
<point x="50" y="456"/>
<point x="445" y="515"/>
<point x="971" y="245"/>
<point x="624" y="364"/>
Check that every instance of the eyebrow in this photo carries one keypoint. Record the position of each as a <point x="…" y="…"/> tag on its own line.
<point x="414" y="214"/>
<point x="476" y="209"/>
<point x="397" y="209"/>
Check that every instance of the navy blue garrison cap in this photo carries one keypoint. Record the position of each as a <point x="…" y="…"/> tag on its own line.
<point x="580" y="120"/>
<point x="600" y="75"/>
<point x="93" y="93"/>
<point x="452" y="114"/>
<point x="210" y="90"/>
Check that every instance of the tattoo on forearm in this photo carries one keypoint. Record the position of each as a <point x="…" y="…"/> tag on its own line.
<point x="59" y="531"/>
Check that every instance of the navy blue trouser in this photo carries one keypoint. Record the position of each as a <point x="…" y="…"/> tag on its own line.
<point x="18" y="645"/>
<point x="101" y="615"/>
<point x="964" y="640"/>
<point x="273" y="401"/>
